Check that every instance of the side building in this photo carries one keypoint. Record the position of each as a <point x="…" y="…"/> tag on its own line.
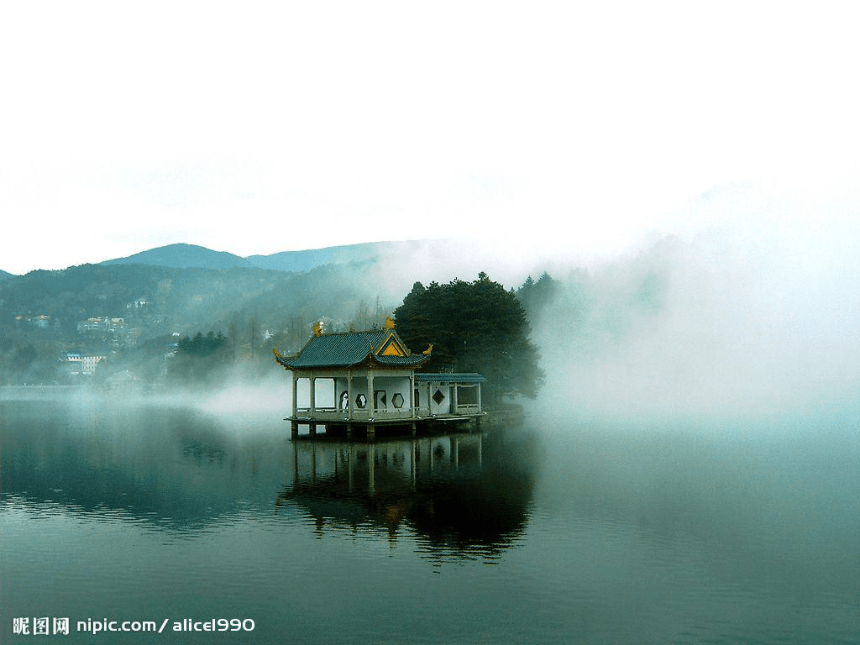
<point x="370" y="378"/>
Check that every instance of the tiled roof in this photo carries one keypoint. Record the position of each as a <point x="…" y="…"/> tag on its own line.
<point x="345" y="350"/>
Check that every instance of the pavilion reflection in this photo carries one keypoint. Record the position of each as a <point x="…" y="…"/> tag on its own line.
<point x="459" y="494"/>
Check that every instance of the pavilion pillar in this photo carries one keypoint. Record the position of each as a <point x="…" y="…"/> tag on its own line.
<point x="412" y="396"/>
<point x="295" y="394"/>
<point x="294" y="424"/>
<point x="312" y="427"/>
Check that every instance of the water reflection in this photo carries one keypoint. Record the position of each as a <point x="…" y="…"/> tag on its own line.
<point x="613" y="535"/>
<point x="460" y="495"/>
<point x="172" y="469"/>
<point x="184" y="472"/>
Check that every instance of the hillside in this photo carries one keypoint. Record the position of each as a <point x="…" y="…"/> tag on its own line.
<point x="184" y="256"/>
<point x="135" y="312"/>
<point x="308" y="259"/>
<point x="191" y="256"/>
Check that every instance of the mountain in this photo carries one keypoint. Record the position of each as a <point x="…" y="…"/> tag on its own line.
<point x="191" y="256"/>
<point x="309" y="259"/>
<point x="184" y="256"/>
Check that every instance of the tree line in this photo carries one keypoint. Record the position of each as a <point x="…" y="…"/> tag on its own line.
<point x="473" y="325"/>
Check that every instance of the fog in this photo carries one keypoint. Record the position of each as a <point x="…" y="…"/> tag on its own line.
<point x="741" y="305"/>
<point x="742" y="309"/>
<point x="751" y="319"/>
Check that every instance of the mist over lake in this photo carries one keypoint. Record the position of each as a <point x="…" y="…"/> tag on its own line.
<point x="687" y="473"/>
<point x="385" y="323"/>
<point x="546" y="531"/>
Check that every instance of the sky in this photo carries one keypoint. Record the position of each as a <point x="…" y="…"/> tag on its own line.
<point x="539" y="127"/>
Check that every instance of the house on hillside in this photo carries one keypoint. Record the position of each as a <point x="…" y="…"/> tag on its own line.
<point x="370" y="378"/>
<point x="78" y="364"/>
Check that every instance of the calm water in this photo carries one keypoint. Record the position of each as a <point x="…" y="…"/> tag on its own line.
<point x="540" y="533"/>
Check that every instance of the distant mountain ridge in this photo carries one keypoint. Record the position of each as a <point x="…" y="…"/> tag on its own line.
<point x="188" y="256"/>
<point x="184" y="256"/>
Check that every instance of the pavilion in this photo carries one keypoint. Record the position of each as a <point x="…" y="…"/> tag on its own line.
<point x="370" y="378"/>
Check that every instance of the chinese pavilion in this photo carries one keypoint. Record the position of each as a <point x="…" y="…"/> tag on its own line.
<point x="370" y="378"/>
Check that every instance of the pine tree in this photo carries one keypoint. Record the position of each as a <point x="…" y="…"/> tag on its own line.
<point x="474" y="326"/>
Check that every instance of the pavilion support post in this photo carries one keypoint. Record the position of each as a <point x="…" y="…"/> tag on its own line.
<point x="412" y="397"/>
<point x="295" y="394"/>
<point x="349" y="399"/>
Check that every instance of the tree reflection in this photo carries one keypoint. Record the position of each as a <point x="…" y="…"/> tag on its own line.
<point x="460" y="495"/>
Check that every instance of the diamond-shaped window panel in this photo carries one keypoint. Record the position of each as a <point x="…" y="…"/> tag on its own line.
<point x="397" y="400"/>
<point x="360" y="401"/>
<point x="438" y="397"/>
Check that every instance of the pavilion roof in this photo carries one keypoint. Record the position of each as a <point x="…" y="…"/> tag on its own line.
<point x="382" y="346"/>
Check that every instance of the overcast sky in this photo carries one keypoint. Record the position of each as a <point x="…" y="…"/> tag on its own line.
<point x="268" y="126"/>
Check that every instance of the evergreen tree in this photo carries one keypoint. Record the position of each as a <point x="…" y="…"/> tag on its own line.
<point x="473" y="327"/>
<point x="536" y="295"/>
<point x="199" y="360"/>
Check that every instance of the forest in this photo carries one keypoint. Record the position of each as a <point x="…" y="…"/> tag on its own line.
<point x="164" y="327"/>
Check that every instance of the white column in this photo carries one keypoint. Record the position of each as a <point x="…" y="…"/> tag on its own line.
<point x="313" y="386"/>
<point x="295" y="394"/>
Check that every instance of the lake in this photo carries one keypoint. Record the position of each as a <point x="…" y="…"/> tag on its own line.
<point x="119" y="517"/>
